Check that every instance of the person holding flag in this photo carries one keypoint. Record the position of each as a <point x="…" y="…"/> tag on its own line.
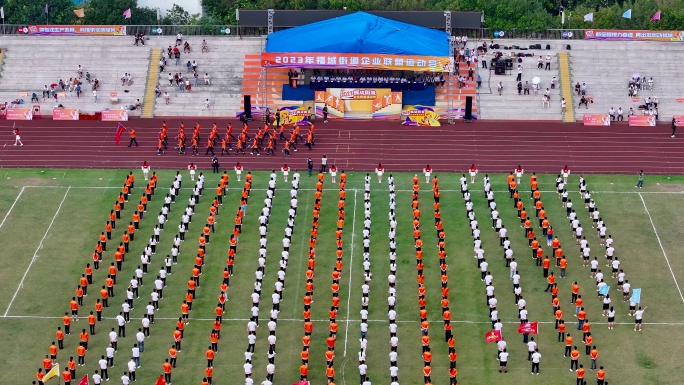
<point x="53" y="372"/>
<point x="119" y="131"/>
<point x="131" y="132"/>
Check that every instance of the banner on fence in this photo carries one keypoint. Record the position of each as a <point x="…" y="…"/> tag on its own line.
<point x="679" y="120"/>
<point x="617" y="34"/>
<point x="65" y="114"/>
<point x="359" y="103"/>
<point x="19" y="114"/>
<point x="416" y="115"/>
<point x="74" y="30"/>
<point x="596" y="120"/>
<point x="115" y="116"/>
<point x="642" y="121"/>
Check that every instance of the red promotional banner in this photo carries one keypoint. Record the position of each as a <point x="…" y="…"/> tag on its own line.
<point x="115" y="116"/>
<point x="65" y="114"/>
<point x="634" y="35"/>
<point x="75" y="30"/>
<point x="679" y="120"/>
<point x="642" y="121"/>
<point x="596" y="120"/>
<point x="19" y="114"/>
<point x="493" y="336"/>
<point x="356" y="60"/>
<point x="529" y="328"/>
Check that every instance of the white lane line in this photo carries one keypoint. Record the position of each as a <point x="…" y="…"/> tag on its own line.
<point x="35" y="254"/>
<point x="662" y="248"/>
<point x="11" y="207"/>
<point x="351" y="263"/>
<point x="514" y="322"/>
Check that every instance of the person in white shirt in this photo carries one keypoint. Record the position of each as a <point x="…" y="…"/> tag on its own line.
<point x="125" y="380"/>
<point x="97" y="379"/>
<point x="503" y="360"/>
<point x="102" y="363"/>
<point x="531" y="348"/>
<point x="638" y="318"/>
<point x="536" y="358"/>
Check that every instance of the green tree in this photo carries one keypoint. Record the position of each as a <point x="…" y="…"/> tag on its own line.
<point x="177" y="16"/>
<point x="110" y="12"/>
<point x="33" y="12"/>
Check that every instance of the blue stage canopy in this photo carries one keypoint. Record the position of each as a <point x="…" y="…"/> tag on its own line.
<point x="361" y="32"/>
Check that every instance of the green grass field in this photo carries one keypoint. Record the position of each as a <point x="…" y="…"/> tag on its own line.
<point x="50" y="221"/>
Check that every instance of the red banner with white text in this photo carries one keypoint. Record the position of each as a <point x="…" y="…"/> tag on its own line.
<point x="356" y="60"/>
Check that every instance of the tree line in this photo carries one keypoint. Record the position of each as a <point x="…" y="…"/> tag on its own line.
<point x="507" y="15"/>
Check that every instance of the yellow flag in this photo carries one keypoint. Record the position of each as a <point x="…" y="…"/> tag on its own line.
<point x="54" y="372"/>
<point x="79" y="12"/>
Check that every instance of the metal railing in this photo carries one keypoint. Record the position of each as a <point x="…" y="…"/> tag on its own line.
<point x="235" y="30"/>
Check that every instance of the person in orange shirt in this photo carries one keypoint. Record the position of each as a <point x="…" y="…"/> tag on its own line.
<point x="330" y="373"/>
<point x="551" y="279"/>
<point x="67" y="323"/>
<point x="81" y="352"/>
<point x="303" y="372"/>
<point x="600" y="376"/>
<point x="563" y="264"/>
<point x="546" y="264"/>
<point x="209" y="373"/>
<point x="60" y="337"/>
<point x="131" y="132"/>
<point x="66" y="375"/>
<point x="166" y="367"/>
<point x="53" y="352"/>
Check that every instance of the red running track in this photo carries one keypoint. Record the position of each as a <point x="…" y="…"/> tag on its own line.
<point x="543" y="147"/>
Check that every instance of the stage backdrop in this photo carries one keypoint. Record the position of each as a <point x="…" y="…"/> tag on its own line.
<point x="416" y="115"/>
<point x="359" y="103"/>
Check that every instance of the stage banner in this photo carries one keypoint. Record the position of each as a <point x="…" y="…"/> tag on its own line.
<point x="596" y="120"/>
<point x="679" y="120"/>
<point x="634" y="35"/>
<point x="291" y="115"/>
<point x="65" y="114"/>
<point x="419" y="116"/>
<point x="356" y="60"/>
<point x="19" y="114"/>
<point x="642" y="121"/>
<point x="359" y="103"/>
<point x="114" y="115"/>
<point x="74" y="30"/>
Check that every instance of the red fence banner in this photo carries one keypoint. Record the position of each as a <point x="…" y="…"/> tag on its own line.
<point x="679" y="120"/>
<point x="356" y="60"/>
<point x="19" y="114"/>
<point x="114" y="116"/>
<point x="596" y="120"/>
<point x="74" y="30"/>
<point x="642" y="121"/>
<point x="633" y="35"/>
<point x="65" y="114"/>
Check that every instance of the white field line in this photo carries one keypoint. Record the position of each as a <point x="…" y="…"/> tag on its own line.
<point x="514" y="322"/>
<point x="358" y="189"/>
<point x="35" y="254"/>
<point x="351" y="264"/>
<point x="662" y="248"/>
<point x="12" y="207"/>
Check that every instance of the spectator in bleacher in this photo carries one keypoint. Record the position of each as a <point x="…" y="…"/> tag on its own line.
<point x="520" y="87"/>
<point x="471" y="73"/>
<point x="483" y="59"/>
<point x="161" y="64"/>
<point x="650" y="83"/>
<point x="540" y="63"/>
<point x="545" y="101"/>
<point x="179" y="39"/>
<point x="611" y="113"/>
<point x="177" y="55"/>
<point x="548" y="63"/>
<point x="577" y="88"/>
<point x="479" y="81"/>
<point x="563" y="106"/>
<point x="520" y="69"/>
<point x="499" y="88"/>
<point x="584" y="89"/>
<point x="620" y="115"/>
<point x="584" y="101"/>
<point x="186" y="47"/>
<point x="194" y="65"/>
<point x="631" y="111"/>
<point x="205" y="46"/>
<point x="46" y="91"/>
<point x="207" y="81"/>
<point x="674" y="126"/>
<point x="95" y="95"/>
<point x="526" y="88"/>
<point x="167" y="98"/>
<point x="554" y="81"/>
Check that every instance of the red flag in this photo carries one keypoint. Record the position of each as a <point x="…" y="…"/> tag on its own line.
<point x="529" y="328"/>
<point x="160" y="380"/>
<point x="84" y="381"/>
<point x="119" y="130"/>
<point x="493" y="336"/>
